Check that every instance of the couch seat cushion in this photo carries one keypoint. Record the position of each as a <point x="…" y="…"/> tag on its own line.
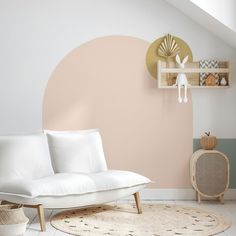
<point x="73" y="183"/>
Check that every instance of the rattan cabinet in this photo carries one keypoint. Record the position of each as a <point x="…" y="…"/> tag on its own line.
<point x="209" y="171"/>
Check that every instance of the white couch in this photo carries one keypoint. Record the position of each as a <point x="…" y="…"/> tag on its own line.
<point x="61" y="170"/>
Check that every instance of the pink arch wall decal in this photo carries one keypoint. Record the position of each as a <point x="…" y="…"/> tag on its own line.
<point x="104" y="84"/>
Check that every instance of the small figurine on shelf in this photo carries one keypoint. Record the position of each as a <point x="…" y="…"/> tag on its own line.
<point x="223" y="81"/>
<point x="211" y="80"/>
<point x="181" y="79"/>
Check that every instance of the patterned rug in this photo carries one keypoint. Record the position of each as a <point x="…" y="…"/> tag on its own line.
<point x="156" y="220"/>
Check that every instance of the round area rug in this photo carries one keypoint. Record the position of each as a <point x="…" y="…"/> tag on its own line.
<point x="156" y="220"/>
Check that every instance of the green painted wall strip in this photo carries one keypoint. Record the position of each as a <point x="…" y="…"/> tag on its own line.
<point x="228" y="147"/>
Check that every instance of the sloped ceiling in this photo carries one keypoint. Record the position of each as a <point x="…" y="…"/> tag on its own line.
<point x="206" y="20"/>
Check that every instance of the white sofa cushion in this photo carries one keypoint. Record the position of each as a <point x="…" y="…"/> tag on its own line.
<point x="76" y="151"/>
<point x="69" y="184"/>
<point x="24" y="156"/>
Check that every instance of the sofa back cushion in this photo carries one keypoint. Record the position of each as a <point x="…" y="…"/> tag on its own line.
<point x="76" y="151"/>
<point x="25" y="156"/>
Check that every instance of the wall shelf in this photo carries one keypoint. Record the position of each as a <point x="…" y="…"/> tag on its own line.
<point x="166" y="75"/>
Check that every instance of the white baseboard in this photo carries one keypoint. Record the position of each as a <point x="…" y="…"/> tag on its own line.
<point x="177" y="194"/>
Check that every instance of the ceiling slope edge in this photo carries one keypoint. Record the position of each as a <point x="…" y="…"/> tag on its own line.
<point x="206" y="20"/>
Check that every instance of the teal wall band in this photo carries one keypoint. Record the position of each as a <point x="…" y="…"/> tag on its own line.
<point x="228" y="147"/>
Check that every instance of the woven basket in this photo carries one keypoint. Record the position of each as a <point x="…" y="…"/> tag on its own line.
<point x="12" y="214"/>
<point x="12" y="220"/>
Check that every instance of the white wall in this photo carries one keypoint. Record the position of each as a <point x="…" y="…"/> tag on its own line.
<point x="36" y="35"/>
<point x="223" y="10"/>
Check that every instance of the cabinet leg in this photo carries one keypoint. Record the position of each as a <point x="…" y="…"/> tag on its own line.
<point x="221" y="198"/>
<point x="198" y="198"/>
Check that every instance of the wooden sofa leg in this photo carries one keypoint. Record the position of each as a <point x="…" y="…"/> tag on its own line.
<point x="41" y="217"/>
<point x="138" y="202"/>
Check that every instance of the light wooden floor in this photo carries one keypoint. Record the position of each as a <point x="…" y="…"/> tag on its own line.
<point x="228" y="209"/>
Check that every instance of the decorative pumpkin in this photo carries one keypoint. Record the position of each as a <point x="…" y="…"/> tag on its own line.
<point x="208" y="142"/>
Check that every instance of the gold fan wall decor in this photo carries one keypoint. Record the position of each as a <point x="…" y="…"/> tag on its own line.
<point x="152" y="55"/>
<point x="168" y="47"/>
